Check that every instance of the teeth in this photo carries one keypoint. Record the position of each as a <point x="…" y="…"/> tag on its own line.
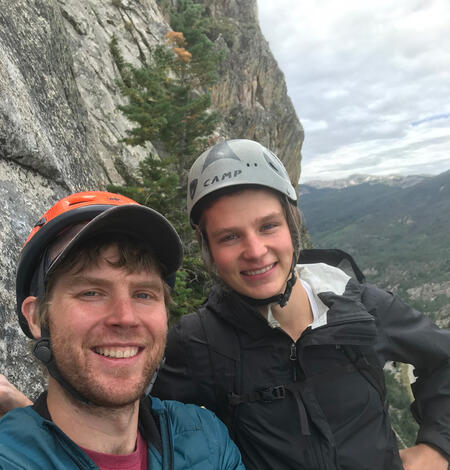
<point x="259" y="271"/>
<point x="117" y="352"/>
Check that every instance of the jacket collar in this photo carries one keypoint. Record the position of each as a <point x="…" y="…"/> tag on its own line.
<point x="148" y="425"/>
<point x="229" y="306"/>
<point x="340" y="304"/>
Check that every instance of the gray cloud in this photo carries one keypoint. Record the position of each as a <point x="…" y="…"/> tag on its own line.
<point x="367" y="79"/>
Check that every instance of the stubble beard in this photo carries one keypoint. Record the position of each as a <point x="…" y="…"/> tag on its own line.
<point x="83" y="378"/>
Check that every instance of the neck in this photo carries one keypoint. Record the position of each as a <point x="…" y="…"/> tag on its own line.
<point x="296" y="315"/>
<point x="107" y="430"/>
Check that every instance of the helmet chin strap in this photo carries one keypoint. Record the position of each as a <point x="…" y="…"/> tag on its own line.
<point x="281" y="299"/>
<point x="42" y="347"/>
<point x="42" y="350"/>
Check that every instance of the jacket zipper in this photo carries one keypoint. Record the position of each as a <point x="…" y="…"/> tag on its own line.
<point x="293" y="359"/>
<point x="167" y="451"/>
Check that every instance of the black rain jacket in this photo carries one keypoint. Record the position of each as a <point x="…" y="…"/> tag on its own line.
<point x="304" y="404"/>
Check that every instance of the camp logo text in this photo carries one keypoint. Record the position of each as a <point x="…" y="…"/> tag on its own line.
<point x="224" y="176"/>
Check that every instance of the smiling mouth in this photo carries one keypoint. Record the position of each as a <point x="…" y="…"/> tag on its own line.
<point x="254" y="272"/>
<point x="118" y="353"/>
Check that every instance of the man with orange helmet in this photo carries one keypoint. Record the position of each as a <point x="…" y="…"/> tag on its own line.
<point x="290" y="355"/>
<point x="93" y="283"/>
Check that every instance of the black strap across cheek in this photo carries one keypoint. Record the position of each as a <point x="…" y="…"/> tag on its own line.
<point x="42" y="350"/>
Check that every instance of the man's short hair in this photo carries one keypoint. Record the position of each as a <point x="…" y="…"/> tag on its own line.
<point x="134" y="256"/>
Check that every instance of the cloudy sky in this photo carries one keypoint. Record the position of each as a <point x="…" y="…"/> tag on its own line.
<point x="370" y="81"/>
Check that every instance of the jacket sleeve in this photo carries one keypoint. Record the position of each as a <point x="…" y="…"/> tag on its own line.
<point x="186" y="374"/>
<point x="406" y="335"/>
<point x="199" y="439"/>
<point x="229" y="457"/>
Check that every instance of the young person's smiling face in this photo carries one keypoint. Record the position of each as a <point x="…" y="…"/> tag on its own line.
<point x="250" y="242"/>
<point x="108" y="329"/>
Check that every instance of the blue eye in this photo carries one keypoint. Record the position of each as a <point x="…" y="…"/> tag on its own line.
<point x="143" y="295"/>
<point x="90" y="293"/>
<point x="229" y="237"/>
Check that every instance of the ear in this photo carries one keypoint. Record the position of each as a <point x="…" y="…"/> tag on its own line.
<point x="30" y="309"/>
<point x="204" y="248"/>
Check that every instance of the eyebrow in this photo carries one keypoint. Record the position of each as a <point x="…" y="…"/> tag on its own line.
<point x="258" y="221"/>
<point x="99" y="281"/>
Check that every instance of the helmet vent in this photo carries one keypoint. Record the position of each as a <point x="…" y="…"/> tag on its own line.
<point x="79" y="198"/>
<point x="219" y="152"/>
<point x="274" y="167"/>
<point x="41" y="222"/>
<point x="193" y="188"/>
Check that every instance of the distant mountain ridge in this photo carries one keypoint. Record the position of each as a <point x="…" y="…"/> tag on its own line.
<point x="356" y="179"/>
<point x="397" y="228"/>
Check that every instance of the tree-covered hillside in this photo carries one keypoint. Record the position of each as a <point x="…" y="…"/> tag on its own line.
<point x="400" y="236"/>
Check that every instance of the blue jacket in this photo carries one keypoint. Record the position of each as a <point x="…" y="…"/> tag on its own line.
<point x="191" y="438"/>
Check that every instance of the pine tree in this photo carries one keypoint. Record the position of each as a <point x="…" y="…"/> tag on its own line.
<point x="189" y="18"/>
<point x="169" y="101"/>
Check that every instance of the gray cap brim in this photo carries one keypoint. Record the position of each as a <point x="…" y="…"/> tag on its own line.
<point x="139" y="222"/>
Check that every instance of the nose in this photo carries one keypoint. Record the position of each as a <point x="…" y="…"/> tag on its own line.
<point x="254" y="247"/>
<point x="122" y="312"/>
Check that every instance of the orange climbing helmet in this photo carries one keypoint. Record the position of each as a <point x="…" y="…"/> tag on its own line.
<point x="90" y="213"/>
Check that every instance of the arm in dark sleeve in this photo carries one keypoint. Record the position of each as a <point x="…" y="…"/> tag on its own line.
<point x="186" y="375"/>
<point x="408" y="336"/>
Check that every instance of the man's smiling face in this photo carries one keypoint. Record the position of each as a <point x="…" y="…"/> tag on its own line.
<point x="108" y="328"/>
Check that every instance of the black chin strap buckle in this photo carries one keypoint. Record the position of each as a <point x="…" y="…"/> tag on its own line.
<point x="42" y="350"/>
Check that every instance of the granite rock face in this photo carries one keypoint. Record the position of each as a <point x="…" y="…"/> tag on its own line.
<point x="252" y="94"/>
<point x="60" y="129"/>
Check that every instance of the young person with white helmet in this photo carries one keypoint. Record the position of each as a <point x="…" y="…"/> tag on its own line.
<point x="93" y="283"/>
<point x="290" y="355"/>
